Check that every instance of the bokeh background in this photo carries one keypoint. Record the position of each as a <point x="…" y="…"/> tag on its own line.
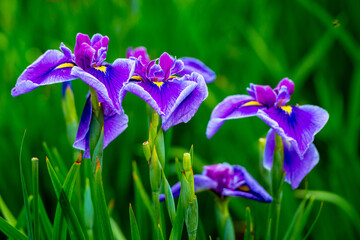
<point x="315" y="43"/>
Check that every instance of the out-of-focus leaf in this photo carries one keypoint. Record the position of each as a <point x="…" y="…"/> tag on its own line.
<point x="10" y="231"/>
<point x="135" y="234"/>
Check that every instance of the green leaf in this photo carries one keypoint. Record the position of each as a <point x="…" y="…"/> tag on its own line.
<point x="73" y="223"/>
<point x="313" y="224"/>
<point x="25" y="195"/>
<point x="118" y="234"/>
<point x="135" y="234"/>
<point x="35" y="184"/>
<point x="169" y="199"/>
<point x="160" y="147"/>
<point x="297" y="215"/>
<point x="59" y="166"/>
<point x="10" y="231"/>
<point x="249" y="225"/>
<point x="9" y="217"/>
<point x="101" y="210"/>
<point x="335" y="199"/>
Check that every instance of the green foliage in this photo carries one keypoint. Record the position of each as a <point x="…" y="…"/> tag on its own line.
<point x="243" y="42"/>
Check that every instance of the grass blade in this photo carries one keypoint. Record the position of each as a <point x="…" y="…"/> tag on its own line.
<point x="10" y="231"/>
<point x="9" y="217"/>
<point x="73" y="223"/>
<point x="298" y="213"/>
<point x="169" y="199"/>
<point x="101" y="210"/>
<point x="118" y="234"/>
<point x="35" y="184"/>
<point x="135" y="234"/>
<point x="313" y="224"/>
<point x="25" y="195"/>
<point x="47" y="228"/>
<point x="249" y="225"/>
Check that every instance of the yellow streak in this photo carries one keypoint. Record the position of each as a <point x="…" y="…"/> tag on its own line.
<point x="136" y="78"/>
<point x="287" y="109"/>
<point x="65" y="65"/>
<point x="251" y="103"/>
<point x="101" y="68"/>
<point x="244" y="188"/>
<point x="172" y="76"/>
<point x="159" y="84"/>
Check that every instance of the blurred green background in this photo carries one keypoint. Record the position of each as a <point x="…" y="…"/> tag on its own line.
<point x="315" y="43"/>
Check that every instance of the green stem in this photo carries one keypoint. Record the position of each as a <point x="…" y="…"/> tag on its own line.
<point x="224" y="221"/>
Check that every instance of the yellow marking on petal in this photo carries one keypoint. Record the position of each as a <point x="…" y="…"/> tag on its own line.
<point x="65" y="65"/>
<point x="173" y="76"/>
<point x="159" y="84"/>
<point x="251" y="103"/>
<point x="138" y="78"/>
<point x="287" y="109"/>
<point x="244" y="188"/>
<point x="101" y="68"/>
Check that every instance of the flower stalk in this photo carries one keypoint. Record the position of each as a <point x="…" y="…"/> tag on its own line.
<point x="223" y="218"/>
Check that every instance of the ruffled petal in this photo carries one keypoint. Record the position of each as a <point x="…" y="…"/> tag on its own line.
<point x="84" y="53"/>
<point x="297" y="125"/>
<point x="108" y="80"/>
<point x="296" y="169"/>
<point x="114" y="125"/>
<point x="195" y="65"/>
<point x="187" y="102"/>
<point x="140" y="53"/>
<point x="265" y="95"/>
<point x="288" y="83"/>
<point x="232" y="107"/>
<point x="51" y="67"/>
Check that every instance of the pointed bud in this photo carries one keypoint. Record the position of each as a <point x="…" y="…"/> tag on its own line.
<point x="147" y="151"/>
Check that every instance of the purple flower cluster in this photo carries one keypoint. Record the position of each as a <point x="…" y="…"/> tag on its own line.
<point x="297" y="125"/>
<point x="174" y="88"/>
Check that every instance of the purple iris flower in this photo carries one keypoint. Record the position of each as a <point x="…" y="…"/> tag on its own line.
<point x="297" y="125"/>
<point x="226" y="180"/>
<point x="87" y="63"/>
<point x="173" y="90"/>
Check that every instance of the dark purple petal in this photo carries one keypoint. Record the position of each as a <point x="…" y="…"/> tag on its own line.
<point x="195" y="65"/>
<point x="114" y="125"/>
<point x="100" y="45"/>
<point x="51" y="67"/>
<point x="82" y="136"/>
<point x="83" y="51"/>
<point x="298" y="125"/>
<point x="187" y="102"/>
<point x="221" y="173"/>
<point x="264" y="95"/>
<point x="108" y="80"/>
<point x="140" y="53"/>
<point x="232" y="107"/>
<point x="296" y="169"/>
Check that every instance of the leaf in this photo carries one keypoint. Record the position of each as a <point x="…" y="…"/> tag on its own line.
<point x="47" y="228"/>
<point x="101" y="210"/>
<point x="169" y="199"/>
<point x="73" y="223"/>
<point x="135" y="234"/>
<point x="249" y="225"/>
<point x="297" y="215"/>
<point x="118" y="234"/>
<point x="35" y="184"/>
<point x="160" y="147"/>
<point x="9" y="217"/>
<point x="313" y="224"/>
<point x="25" y="195"/>
<point x="10" y="231"/>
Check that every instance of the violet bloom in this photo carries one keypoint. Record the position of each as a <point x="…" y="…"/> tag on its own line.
<point x="160" y="83"/>
<point x="297" y="125"/>
<point x="87" y="63"/>
<point x="226" y="180"/>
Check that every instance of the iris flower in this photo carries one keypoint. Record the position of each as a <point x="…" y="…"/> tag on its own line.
<point x="224" y="180"/>
<point x="297" y="125"/>
<point x="172" y="88"/>
<point x="87" y="63"/>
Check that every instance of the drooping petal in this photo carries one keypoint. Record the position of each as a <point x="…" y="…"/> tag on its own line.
<point x="201" y="183"/>
<point x="232" y="107"/>
<point x="249" y="185"/>
<point x="161" y="96"/>
<point x="187" y="103"/>
<point x="51" y="67"/>
<point x="114" y="125"/>
<point x="108" y="80"/>
<point x="195" y="65"/>
<point x="297" y="125"/>
<point x="296" y="169"/>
